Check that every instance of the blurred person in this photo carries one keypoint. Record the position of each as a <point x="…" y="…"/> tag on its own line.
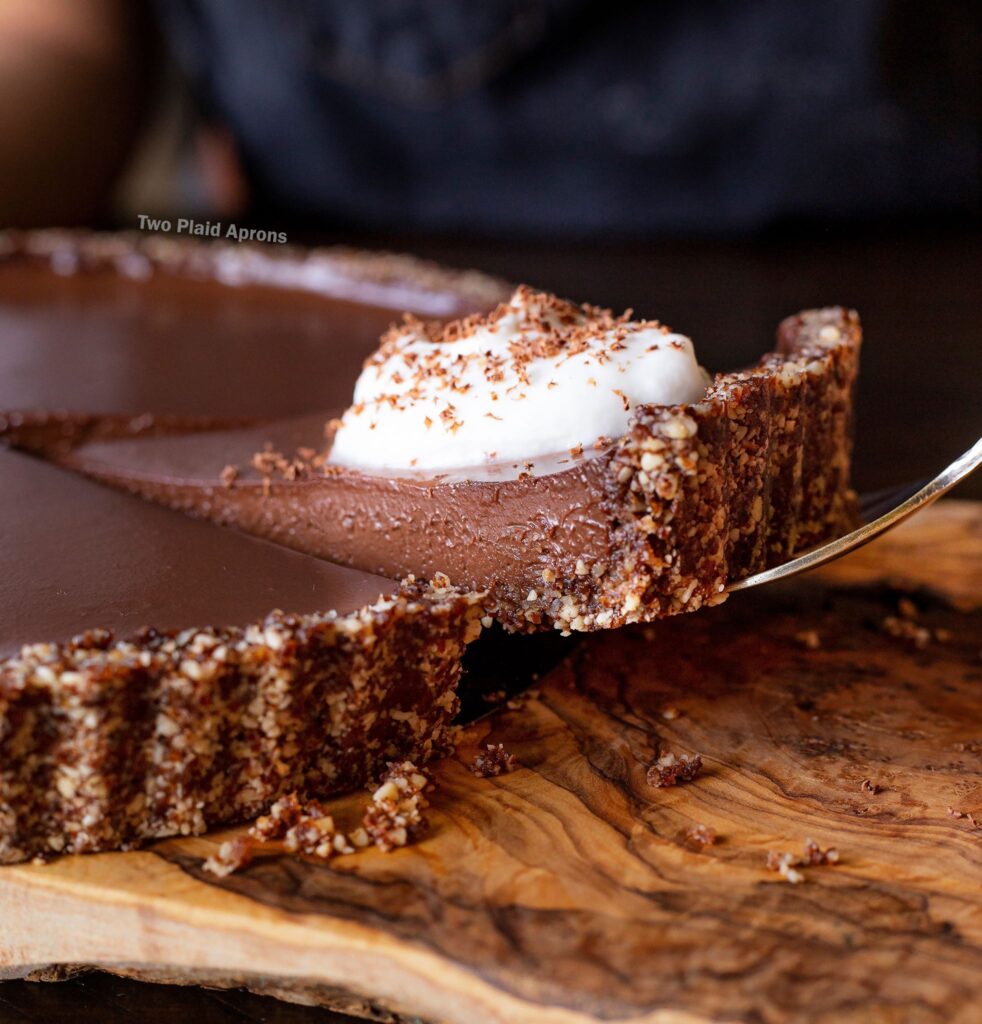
<point x="562" y="117"/>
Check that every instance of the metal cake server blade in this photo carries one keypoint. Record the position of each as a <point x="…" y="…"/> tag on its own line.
<point x="501" y="666"/>
<point x="880" y="511"/>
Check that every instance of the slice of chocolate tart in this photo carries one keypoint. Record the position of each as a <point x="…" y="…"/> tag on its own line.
<point x="655" y="522"/>
<point x="159" y="675"/>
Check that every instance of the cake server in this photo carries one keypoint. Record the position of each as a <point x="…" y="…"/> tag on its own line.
<point x="879" y="511"/>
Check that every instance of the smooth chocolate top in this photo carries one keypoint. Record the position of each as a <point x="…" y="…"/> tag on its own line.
<point x="76" y="555"/>
<point x="78" y="334"/>
<point x="97" y="342"/>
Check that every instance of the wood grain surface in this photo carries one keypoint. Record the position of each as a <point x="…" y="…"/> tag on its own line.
<point x="568" y="890"/>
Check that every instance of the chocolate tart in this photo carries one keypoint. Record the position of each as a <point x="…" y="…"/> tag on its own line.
<point x="112" y="733"/>
<point x="689" y="499"/>
<point x="148" y="684"/>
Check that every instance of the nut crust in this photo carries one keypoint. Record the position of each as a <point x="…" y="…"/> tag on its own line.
<point x="106" y="743"/>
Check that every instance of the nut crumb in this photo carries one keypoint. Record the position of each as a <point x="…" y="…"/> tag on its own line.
<point x="814" y="854"/>
<point x="229" y="475"/>
<point x="809" y="639"/>
<point x="671" y="770"/>
<point x="282" y="816"/>
<point x="394" y="817"/>
<point x="960" y="815"/>
<point x="230" y="856"/>
<point x="868" y="786"/>
<point x="701" y="836"/>
<point x="906" y="629"/>
<point x="907" y="609"/>
<point x="494" y="761"/>
<point x="786" y="864"/>
<point x="670" y="714"/>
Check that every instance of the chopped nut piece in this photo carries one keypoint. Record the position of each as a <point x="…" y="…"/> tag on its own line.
<point x="905" y="629"/>
<point x="783" y="863"/>
<point x="907" y="608"/>
<point x="394" y="817"/>
<point x="701" y="836"/>
<point x="229" y="475"/>
<point x="809" y="639"/>
<point x="868" y="786"/>
<point x="314" y="834"/>
<point x="670" y="770"/>
<point x="231" y="856"/>
<point x="786" y="863"/>
<point x="496" y="761"/>
<point x="670" y="714"/>
<point x="283" y="815"/>
<point x="304" y="828"/>
<point x="814" y="854"/>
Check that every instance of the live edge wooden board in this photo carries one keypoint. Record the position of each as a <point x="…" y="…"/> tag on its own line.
<point x="566" y="891"/>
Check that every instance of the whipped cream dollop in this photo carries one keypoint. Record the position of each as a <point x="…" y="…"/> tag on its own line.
<point x="528" y="388"/>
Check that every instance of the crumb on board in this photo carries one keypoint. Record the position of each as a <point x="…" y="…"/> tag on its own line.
<point x="671" y="770"/>
<point x="809" y="639"/>
<point x="905" y="625"/>
<point x="492" y="761"/>
<point x="964" y="815"/>
<point x="787" y="864"/>
<point x="701" y="836"/>
<point x="393" y="818"/>
<point x="230" y="856"/>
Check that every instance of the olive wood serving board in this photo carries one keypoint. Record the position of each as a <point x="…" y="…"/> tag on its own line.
<point x="568" y="891"/>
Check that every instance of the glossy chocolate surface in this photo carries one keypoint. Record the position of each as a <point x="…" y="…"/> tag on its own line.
<point x="107" y="323"/>
<point x="97" y="342"/>
<point x="76" y="556"/>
